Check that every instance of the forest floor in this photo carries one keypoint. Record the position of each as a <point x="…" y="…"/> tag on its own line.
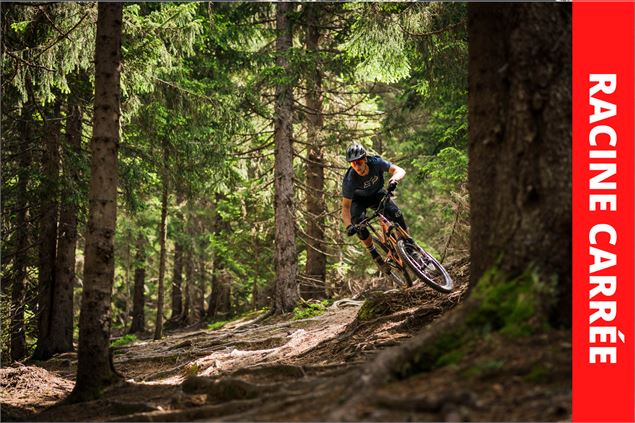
<point x="283" y="369"/>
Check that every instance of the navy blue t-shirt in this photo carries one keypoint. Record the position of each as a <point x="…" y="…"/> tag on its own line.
<point x="355" y="185"/>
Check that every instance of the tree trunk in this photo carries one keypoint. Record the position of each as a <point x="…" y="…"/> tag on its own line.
<point x="198" y="299"/>
<point x="158" y="328"/>
<point x="519" y="171"/>
<point x="316" y="257"/>
<point x="189" y="269"/>
<point x="18" y="340"/>
<point x="62" y="318"/>
<point x="177" y="280"/>
<point x="138" y="303"/>
<point x="219" y="299"/>
<point x="189" y="274"/>
<point x="520" y="141"/>
<point x="94" y="368"/>
<point x="285" y="295"/>
<point x="177" y="273"/>
<point x="48" y="236"/>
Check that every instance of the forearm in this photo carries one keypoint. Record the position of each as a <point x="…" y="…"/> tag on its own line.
<point x="346" y="211"/>
<point x="346" y="216"/>
<point x="397" y="173"/>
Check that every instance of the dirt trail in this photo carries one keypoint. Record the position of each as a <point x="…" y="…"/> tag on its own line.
<point x="284" y="369"/>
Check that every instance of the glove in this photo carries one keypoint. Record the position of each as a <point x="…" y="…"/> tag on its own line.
<point x="392" y="185"/>
<point x="351" y="230"/>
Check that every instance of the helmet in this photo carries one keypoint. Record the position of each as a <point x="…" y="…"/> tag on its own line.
<point x="355" y="152"/>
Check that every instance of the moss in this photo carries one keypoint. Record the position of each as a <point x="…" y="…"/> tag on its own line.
<point x="308" y="310"/>
<point x="191" y="370"/>
<point x="217" y="325"/>
<point x="485" y="368"/>
<point x="124" y="340"/>
<point x="376" y="305"/>
<point x="450" y="358"/>
<point x="448" y="349"/>
<point x="512" y="307"/>
<point x="538" y="374"/>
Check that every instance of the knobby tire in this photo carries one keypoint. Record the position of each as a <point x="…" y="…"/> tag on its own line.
<point x="426" y="267"/>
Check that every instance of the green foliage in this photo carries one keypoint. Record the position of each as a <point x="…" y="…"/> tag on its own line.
<point x="156" y="38"/>
<point x="124" y="340"/>
<point x="377" y="44"/>
<point x="36" y="40"/>
<point x="446" y="171"/>
<point x="198" y="82"/>
<point x="308" y="310"/>
<point x="19" y="26"/>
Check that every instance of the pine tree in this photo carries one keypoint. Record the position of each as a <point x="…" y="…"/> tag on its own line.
<point x="286" y="264"/>
<point x="95" y="369"/>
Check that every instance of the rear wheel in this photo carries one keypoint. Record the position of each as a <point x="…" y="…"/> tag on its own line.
<point x="426" y="267"/>
<point x="398" y="274"/>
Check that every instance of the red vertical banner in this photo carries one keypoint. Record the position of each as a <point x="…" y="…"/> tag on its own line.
<point x="603" y="231"/>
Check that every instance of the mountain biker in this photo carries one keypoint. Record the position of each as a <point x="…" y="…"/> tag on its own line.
<point x="362" y="188"/>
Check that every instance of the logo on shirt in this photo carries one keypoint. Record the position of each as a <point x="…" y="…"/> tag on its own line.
<point x="371" y="182"/>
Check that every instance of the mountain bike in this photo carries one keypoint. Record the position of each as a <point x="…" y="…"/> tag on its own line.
<point x="403" y="255"/>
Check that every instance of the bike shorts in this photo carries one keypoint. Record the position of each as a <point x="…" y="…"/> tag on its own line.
<point x="360" y="204"/>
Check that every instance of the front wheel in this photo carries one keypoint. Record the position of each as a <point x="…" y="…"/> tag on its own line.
<point x="426" y="267"/>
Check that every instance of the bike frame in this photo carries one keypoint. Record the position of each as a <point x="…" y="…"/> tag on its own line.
<point x="393" y="239"/>
<point x="390" y="232"/>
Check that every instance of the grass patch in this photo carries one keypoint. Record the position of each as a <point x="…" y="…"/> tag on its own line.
<point x="124" y="340"/>
<point x="217" y="325"/>
<point x="308" y="310"/>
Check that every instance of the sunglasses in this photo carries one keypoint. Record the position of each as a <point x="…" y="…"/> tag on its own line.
<point x="357" y="162"/>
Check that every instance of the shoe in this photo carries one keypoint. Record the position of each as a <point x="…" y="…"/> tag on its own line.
<point x="383" y="265"/>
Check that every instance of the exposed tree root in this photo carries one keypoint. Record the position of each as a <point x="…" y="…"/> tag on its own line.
<point x="281" y="369"/>
<point x="257" y="320"/>
<point x="275" y="372"/>
<point x="392" y="362"/>
<point x="428" y="403"/>
<point x="226" y="389"/>
<point x="164" y="373"/>
<point x="190" y="414"/>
